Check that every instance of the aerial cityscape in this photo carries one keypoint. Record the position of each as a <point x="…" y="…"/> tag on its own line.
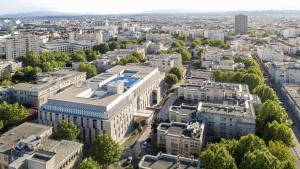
<point x="146" y="84"/>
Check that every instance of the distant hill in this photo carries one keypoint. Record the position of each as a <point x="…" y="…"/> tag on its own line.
<point x="36" y="14"/>
<point x="273" y="13"/>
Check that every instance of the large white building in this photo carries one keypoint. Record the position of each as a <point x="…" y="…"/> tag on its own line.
<point x="106" y="103"/>
<point x="18" y="45"/>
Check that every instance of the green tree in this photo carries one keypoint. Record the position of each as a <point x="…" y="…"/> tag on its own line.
<point x="31" y="59"/>
<point x="12" y="114"/>
<point x="103" y="48"/>
<point x="130" y="166"/>
<point x="197" y="64"/>
<point x="105" y="151"/>
<point x="176" y="71"/>
<point x="175" y="45"/>
<point x="280" y="151"/>
<point x="67" y="130"/>
<point x="90" y="70"/>
<point x="5" y="83"/>
<point x="252" y="80"/>
<point x="195" y="43"/>
<point x="185" y="54"/>
<point x="114" y="45"/>
<point x="268" y="112"/>
<point x="201" y="52"/>
<point x="248" y="143"/>
<point x="1" y="125"/>
<point x="265" y="93"/>
<point x="171" y="79"/>
<point x="89" y="163"/>
<point x="278" y="132"/>
<point x="217" y="157"/>
<point x="5" y="75"/>
<point x="91" y="55"/>
<point x="260" y="159"/>
<point x="79" y="57"/>
<point x="26" y="74"/>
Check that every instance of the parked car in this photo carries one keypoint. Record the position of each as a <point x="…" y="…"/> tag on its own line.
<point x="145" y="145"/>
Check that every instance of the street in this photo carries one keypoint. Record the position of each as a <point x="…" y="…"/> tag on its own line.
<point x="296" y="122"/>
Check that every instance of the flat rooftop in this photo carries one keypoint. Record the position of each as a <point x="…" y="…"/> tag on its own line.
<point x="166" y="161"/>
<point x="46" y="80"/>
<point x="61" y="148"/>
<point x="182" y="129"/>
<point x="12" y="136"/>
<point x="130" y="75"/>
<point x="294" y="92"/>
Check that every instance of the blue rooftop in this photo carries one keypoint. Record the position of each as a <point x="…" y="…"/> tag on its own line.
<point x="128" y="81"/>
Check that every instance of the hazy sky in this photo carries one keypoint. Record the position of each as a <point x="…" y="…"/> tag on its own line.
<point x="135" y="6"/>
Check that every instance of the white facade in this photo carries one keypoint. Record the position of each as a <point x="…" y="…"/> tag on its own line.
<point x="165" y="62"/>
<point x="96" y="109"/>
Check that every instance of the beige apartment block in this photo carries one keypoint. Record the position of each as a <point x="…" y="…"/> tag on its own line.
<point x="181" y="138"/>
<point x="18" y="45"/>
<point x="106" y="103"/>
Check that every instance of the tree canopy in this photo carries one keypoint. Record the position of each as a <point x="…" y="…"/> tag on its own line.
<point x="259" y="159"/>
<point x="114" y="45"/>
<point x="47" y="61"/>
<point x="171" y="79"/>
<point x="91" y="55"/>
<point x="89" y="163"/>
<point x="176" y="71"/>
<point x="105" y="150"/>
<point x="79" y="57"/>
<point x="26" y="74"/>
<point x="217" y="156"/>
<point x="278" y="132"/>
<point x="12" y="114"/>
<point x="67" y="130"/>
<point x="90" y="70"/>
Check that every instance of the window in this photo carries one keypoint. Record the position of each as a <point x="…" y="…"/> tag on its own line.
<point x="94" y="124"/>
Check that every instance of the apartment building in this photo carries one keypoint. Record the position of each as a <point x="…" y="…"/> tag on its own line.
<point x="214" y="34"/>
<point x="181" y="138"/>
<point x="9" y="66"/>
<point x="47" y="85"/>
<point x="109" y="59"/>
<point x="292" y="96"/>
<point x="18" y="45"/>
<point x="228" y="109"/>
<point x="268" y="55"/>
<point x="165" y="62"/>
<point x="106" y="103"/>
<point x="66" y="46"/>
<point x="285" y="72"/>
<point x="167" y="161"/>
<point x="215" y="59"/>
<point x="87" y="35"/>
<point x="28" y="146"/>
<point x="241" y="24"/>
